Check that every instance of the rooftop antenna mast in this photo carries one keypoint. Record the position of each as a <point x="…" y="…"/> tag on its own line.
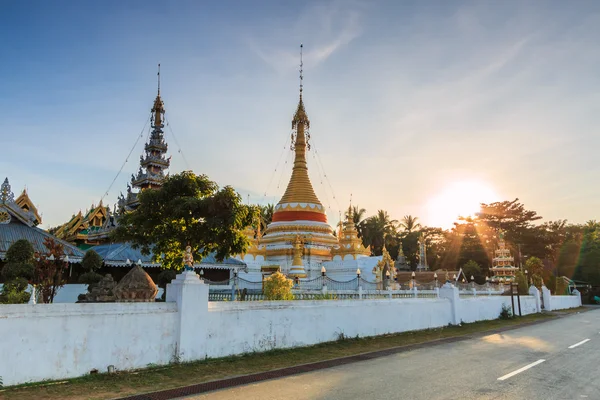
<point x="158" y="75"/>
<point x="301" y="66"/>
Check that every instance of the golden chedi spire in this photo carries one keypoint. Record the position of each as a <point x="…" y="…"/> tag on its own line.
<point x="299" y="189"/>
<point x="158" y="109"/>
<point x="299" y="215"/>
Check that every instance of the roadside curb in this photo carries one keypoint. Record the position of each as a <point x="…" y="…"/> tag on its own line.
<point x="226" y="383"/>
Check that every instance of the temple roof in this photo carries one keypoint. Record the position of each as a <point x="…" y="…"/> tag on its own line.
<point x="26" y="204"/>
<point x="117" y="254"/>
<point x="17" y="223"/>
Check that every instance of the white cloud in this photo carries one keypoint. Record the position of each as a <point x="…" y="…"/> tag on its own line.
<point x="323" y="28"/>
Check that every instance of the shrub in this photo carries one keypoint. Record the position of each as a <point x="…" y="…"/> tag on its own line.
<point x="278" y="287"/>
<point x="91" y="261"/>
<point x="505" y="313"/>
<point x="17" y="272"/>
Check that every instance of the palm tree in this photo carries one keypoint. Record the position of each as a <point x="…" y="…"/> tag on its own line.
<point x="377" y="229"/>
<point x="410" y="224"/>
<point x="266" y="215"/>
<point x="357" y="215"/>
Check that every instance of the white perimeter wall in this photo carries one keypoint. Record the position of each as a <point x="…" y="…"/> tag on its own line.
<point x="263" y="326"/>
<point x="483" y="308"/>
<point x="57" y="341"/>
<point x="564" y="302"/>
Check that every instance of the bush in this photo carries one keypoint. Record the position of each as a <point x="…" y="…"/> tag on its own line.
<point x="91" y="261"/>
<point x="278" y="287"/>
<point x="90" y="278"/>
<point x="14" y="292"/>
<point x="17" y="272"/>
<point x="505" y="313"/>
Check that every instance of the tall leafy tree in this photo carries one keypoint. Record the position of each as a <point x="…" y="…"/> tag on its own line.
<point x="378" y="229"/>
<point x="265" y="216"/>
<point x="409" y="223"/>
<point x="516" y="221"/>
<point x="188" y="210"/>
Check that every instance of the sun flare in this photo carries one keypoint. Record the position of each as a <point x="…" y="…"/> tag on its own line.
<point x="459" y="199"/>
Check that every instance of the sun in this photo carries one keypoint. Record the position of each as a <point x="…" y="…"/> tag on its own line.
<point x="458" y="199"/>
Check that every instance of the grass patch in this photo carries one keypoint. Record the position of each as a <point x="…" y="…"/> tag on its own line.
<point x="104" y="386"/>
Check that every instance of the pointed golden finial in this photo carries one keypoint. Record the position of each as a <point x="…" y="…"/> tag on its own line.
<point x="158" y="109"/>
<point x="301" y="71"/>
<point x="300" y="117"/>
<point x="158" y="75"/>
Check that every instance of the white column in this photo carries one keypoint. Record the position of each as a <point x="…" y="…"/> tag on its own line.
<point x="450" y="292"/>
<point x="547" y="298"/>
<point x="535" y="292"/>
<point x="578" y="294"/>
<point x="191" y="295"/>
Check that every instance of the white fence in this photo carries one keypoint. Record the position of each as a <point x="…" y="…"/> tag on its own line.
<point x="57" y="341"/>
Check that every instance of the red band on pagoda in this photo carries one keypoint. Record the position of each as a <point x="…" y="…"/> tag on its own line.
<point x="286" y="216"/>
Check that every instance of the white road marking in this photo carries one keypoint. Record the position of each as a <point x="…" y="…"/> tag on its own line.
<point x="579" y="344"/>
<point x="525" y="368"/>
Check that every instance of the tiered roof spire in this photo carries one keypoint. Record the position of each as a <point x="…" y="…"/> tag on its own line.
<point x="154" y="163"/>
<point x="299" y="189"/>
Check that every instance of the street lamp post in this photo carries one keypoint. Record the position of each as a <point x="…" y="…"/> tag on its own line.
<point x="357" y="278"/>
<point x="435" y="279"/>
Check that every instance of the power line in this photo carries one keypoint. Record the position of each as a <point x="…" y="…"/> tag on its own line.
<point x="187" y="165"/>
<point x="126" y="159"/>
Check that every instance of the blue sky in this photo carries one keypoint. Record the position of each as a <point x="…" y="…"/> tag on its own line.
<point x="406" y="99"/>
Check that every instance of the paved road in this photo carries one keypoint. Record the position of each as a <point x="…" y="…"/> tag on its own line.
<point x="492" y="367"/>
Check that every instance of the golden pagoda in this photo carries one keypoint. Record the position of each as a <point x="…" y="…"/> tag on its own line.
<point x="350" y="245"/>
<point x="299" y="213"/>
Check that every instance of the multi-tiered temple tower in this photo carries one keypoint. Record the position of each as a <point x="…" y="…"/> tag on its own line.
<point x="503" y="263"/>
<point x="153" y="163"/>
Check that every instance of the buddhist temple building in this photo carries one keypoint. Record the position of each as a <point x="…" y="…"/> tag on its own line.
<point x="82" y="225"/>
<point x="18" y="222"/>
<point x="503" y="263"/>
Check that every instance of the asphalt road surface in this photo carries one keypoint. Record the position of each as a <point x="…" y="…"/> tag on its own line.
<point x="559" y="359"/>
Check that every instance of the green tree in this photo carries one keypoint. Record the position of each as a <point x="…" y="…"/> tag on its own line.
<point x="472" y="269"/>
<point x="512" y="218"/>
<point x="17" y="271"/>
<point x="357" y="215"/>
<point x="409" y="223"/>
<point x="188" y="210"/>
<point x="466" y="242"/>
<point x="378" y="229"/>
<point x="535" y="266"/>
<point x="265" y="216"/>
<point x="588" y="265"/>
<point x="91" y="263"/>
<point x="521" y="280"/>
